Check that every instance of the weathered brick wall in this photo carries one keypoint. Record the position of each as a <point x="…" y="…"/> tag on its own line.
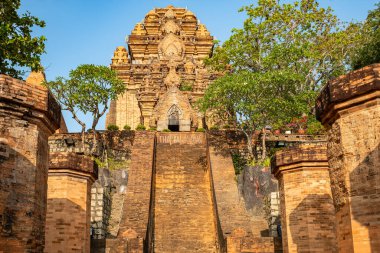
<point x="349" y="107"/>
<point x="68" y="202"/>
<point x="28" y="115"/>
<point x="134" y="221"/>
<point x="307" y="211"/>
<point x="184" y="220"/>
<point x="114" y="151"/>
<point x="242" y="231"/>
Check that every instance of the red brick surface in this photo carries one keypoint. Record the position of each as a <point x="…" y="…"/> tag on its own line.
<point x="28" y="115"/>
<point x="307" y="211"/>
<point x="351" y="114"/>
<point x="68" y="205"/>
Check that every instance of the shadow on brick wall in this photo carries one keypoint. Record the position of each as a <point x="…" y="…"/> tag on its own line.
<point x="65" y="226"/>
<point x="365" y="196"/>
<point x="22" y="203"/>
<point x="310" y="221"/>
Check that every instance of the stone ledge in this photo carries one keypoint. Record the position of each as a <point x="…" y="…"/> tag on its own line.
<point x="359" y="83"/>
<point x="72" y="163"/>
<point x="18" y="95"/>
<point x="309" y="155"/>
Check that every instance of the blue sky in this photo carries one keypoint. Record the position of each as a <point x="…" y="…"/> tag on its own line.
<point x="88" y="31"/>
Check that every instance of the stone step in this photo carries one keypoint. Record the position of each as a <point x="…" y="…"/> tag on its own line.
<point x="184" y="217"/>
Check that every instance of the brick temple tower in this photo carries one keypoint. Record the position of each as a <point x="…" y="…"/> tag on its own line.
<point x="163" y="71"/>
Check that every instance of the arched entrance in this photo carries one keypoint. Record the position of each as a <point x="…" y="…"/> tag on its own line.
<point x="173" y="119"/>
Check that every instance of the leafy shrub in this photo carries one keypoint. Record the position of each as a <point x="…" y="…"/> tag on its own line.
<point x="166" y="130"/>
<point x="315" y="127"/>
<point x="140" y="127"/>
<point x="214" y="128"/>
<point x="200" y="130"/>
<point x="127" y="127"/>
<point x="186" y="86"/>
<point x="112" y="127"/>
<point x="239" y="163"/>
<point x="153" y="129"/>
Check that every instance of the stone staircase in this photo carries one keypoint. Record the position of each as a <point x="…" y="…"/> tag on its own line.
<point x="184" y="219"/>
<point x="136" y="207"/>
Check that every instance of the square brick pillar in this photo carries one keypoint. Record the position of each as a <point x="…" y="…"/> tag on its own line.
<point x="349" y="108"/>
<point x="28" y="115"/>
<point x="68" y="217"/>
<point x="307" y="210"/>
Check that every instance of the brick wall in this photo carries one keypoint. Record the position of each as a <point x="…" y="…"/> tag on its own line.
<point x="307" y="211"/>
<point x="349" y="108"/>
<point x="136" y="210"/>
<point x="28" y="115"/>
<point x="68" y="202"/>
<point x="241" y="231"/>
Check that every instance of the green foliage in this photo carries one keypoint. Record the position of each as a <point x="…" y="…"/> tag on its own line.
<point x="140" y="127"/>
<point x="276" y="64"/>
<point x="315" y="127"/>
<point x="166" y="130"/>
<point x="88" y="89"/>
<point x="368" y="51"/>
<point x="214" y="128"/>
<point x="264" y="163"/>
<point x="127" y="127"/>
<point x="18" y="47"/>
<point x="186" y="86"/>
<point x="112" y="127"/>
<point x="239" y="163"/>
<point x="200" y="129"/>
<point x="111" y="163"/>
<point x="153" y="129"/>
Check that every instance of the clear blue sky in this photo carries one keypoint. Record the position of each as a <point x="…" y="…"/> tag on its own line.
<point x="88" y="31"/>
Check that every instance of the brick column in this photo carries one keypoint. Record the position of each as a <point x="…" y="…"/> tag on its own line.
<point x="68" y="217"/>
<point x="307" y="211"/>
<point x="349" y="108"/>
<point x="28" y="115"/>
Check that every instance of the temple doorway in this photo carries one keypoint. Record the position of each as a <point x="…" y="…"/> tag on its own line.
<point x="173" y="124"/>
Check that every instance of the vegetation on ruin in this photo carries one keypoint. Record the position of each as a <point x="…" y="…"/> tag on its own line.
<point x="140" y="127"/>
<point x="276" y="64"/>
<point x="185" y="86"/>
<point x="88" y="89"/>
<point x="111" y="163"/>
<point x="127" y="127"/>
<point x="112" y="127"/>
<point x="19" y="48"/>
<point x="368" y="51"/>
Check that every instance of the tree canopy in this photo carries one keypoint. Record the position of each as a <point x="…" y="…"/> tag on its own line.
<point x="88" y="90"/>
<point x="276" y="64"/>
<point x="368" y="51"/>
<point x="18" y="48"/>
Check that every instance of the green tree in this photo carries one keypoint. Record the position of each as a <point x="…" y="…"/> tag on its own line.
<point x="277" y="63"/>
<point x="368" y="51"/>
<point x="18" y="48"/>
<point x="88" y="90"/>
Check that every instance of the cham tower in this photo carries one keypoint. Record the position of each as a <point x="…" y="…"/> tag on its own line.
<point x="163" y="71"/>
